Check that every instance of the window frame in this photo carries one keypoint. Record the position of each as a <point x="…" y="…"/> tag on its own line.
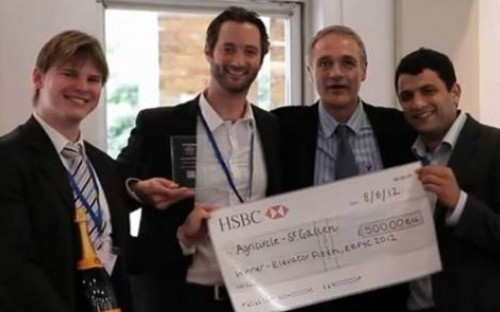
<point x="296" y="93"/>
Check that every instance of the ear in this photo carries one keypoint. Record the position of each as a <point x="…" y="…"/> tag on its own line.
<point x="37" y="78"/>
<point x="456" y="92"/>
<point x="363" y="75"/>
<point x="310" y="71"/>
<point x="208" y="53"/>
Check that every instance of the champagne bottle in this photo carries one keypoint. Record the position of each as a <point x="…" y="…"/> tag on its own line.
<point x="95" y="287"/>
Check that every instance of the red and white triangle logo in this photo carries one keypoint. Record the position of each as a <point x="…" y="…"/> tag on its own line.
<point x="277" y="212"/>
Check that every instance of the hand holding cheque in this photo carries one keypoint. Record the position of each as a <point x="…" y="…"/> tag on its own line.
<point x="326" y="242"/>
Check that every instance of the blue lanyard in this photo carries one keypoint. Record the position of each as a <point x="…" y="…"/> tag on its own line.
<point x="222" y="163"/>
<point x="96" y="217"/>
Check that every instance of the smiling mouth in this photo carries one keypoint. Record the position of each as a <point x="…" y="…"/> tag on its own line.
<point x="76" y="99"/>
<point x="237" y="72"/>
<point x="423" y="115"/>
<point x="236" y="76"/>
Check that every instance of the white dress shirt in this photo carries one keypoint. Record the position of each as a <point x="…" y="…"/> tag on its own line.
<point x="245" y="162"/>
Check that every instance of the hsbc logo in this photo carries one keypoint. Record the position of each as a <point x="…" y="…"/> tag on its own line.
<point x="239" y="220"/>
<point x="244" y="219"/>
<point x="277" y="212"/>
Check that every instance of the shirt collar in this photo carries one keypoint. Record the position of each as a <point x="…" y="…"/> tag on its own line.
<point x="449" y="139"/>
<point x="328" y="124"/>
<point x="57" y="138"/>
<point x="214" y="120"/>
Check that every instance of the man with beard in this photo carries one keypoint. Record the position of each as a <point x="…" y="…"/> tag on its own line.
<point x="236" y="161"/>
<point x="312" y="148"/>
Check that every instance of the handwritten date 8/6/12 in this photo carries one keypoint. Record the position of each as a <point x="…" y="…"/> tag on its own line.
<point x="380" y="195"/>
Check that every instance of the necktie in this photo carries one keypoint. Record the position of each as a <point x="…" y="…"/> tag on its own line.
<point x="345" y="164"/>
<point x="84" y="190"/>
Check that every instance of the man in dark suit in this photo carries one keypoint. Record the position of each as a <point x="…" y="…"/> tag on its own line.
<point x="39" y="243"/>
<point x="464" y="182"/>
<point x="236" y="160"/>
<point x="377" y="137"/>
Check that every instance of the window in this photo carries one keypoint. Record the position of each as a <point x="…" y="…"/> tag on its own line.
<point x="156" y="58"/>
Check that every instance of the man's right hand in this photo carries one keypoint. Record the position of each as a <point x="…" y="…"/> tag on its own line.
<point x="160" y="192"/>
<point x="195" y="229"/>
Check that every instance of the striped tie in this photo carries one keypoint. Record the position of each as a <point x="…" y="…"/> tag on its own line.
<point x="79" y="169"/>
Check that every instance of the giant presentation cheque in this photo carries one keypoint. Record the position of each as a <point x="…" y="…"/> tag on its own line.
<point x="326" y="242"/>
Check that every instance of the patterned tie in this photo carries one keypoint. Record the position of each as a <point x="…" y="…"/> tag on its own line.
<point x="84" y="184"/>
<point x="345" y="164"/>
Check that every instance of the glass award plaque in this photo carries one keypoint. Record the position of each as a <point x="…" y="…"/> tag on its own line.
<point x="183" y="154"/>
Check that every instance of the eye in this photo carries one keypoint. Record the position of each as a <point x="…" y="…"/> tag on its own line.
<point x="69" y="73"/>
<point x="324" y="64"/>
<point x="95" y="79"/>
<point x="349" y="62"/>
<point x="251" y="52"/>
<point x="405" y="97"/>
<point x="428" y="91"/>
<point x="229" y="49"/>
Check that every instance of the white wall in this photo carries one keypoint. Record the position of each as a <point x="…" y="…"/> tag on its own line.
<point x="466" y="30"/>
<point x="25" y="26"/>
<point x="451" y="27"/>
<point x="489" y="61"/>
<point x="374" y="21"/>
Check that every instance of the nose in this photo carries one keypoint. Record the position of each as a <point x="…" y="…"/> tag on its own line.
<point x="238" y="59"/>
<point x="418" y="102"/>
<point x="82" y="84"/>
<point x="335" y="71"/>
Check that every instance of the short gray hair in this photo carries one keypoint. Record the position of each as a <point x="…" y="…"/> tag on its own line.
<point x="343" y="31"/>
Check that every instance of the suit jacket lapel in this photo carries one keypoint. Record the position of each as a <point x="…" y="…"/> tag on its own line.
<point x="383" y="134"/>
<point x="48" y="160"/>
<point x="465" y="149"/>
<point x="267" y="129"/>
<point x="265" y="135"/>
<point x="310" y="140"/>
<point x="186" y="122"/>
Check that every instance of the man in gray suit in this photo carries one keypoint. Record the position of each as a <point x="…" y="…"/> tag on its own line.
<point x="462" y="178"/>
<point x="338" y="63"/>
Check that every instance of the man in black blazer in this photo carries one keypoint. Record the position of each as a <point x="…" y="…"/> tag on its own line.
<point x="39" y="243"/>
<point x="236" y="143"/>
<point x="379" y="137"/>
<point x="464" y="182"/>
